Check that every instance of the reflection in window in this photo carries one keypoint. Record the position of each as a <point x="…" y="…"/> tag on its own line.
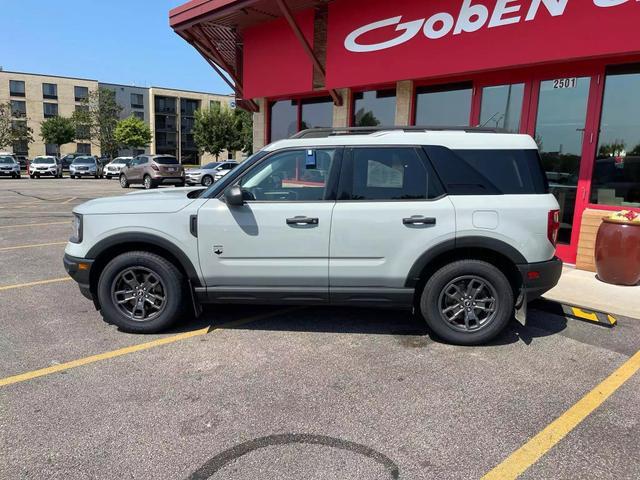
<point x="448" y="105"/>
<point x="616" y="173"/>
<point x="376" y="107"/>
<point x="317" y="113"/>
<point x="502" y="107"/>
<point x="284" y="119"/>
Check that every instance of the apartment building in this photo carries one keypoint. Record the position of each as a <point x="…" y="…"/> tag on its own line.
<point x="168" y="112"/>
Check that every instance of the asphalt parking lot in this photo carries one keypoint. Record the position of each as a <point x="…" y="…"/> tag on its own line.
<point x="281" y="393"/>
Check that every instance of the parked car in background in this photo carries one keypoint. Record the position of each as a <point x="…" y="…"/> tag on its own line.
<point x="9" y="166"/>
<point x="104" y="160"/>
<point x="86" y="166"/>
<point x="153" y="170"/>
<point x="45" y="166"/>
<point x="206" y="174"/>
<point x="226" y="168"/>
<point x="112" y="169"/>
<point x="22" y="160"/>
<point x="67" y="160"/>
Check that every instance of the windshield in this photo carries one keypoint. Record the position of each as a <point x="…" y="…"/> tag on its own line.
<point x="211" y="166"/>
<point x="166" y="160"/>
<point x="84" y="161"/>
<point x="6" y="160"/>
<point x="121" y="161"/>
<point x="47" y="161"/>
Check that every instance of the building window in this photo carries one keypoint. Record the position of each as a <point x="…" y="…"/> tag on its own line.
<point x="18" y="108"/>
<point x="81" y="93"/>
<point x="50" y="109"/>
<point x="290" y="116"/>
<point x="51" y="149"/>
<point x="50" y="91"/>
<point x="166" y="122"/>
<point x="444" y="105"/>
<point x="82" y="108"/>
<point x="16" y="88"/>
<point x="139" y="115"/>
<point x="21" y="148"/>
<point x="214" y="104"/>
<point x="83" y="148"/>
<point x="137" y="100"/>
<point x="165" y="105"/>
<point x="616" y="171"/>
<point x="375" y="107"/>
<point x="188" y="107"/>
<point x="83" y="132"/>
<point x="231" y="155"/>
<point x="502" y="107"/>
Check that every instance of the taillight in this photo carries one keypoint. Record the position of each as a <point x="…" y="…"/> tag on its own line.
<point x="155" y="167"/>
<point x="553" y="226"/>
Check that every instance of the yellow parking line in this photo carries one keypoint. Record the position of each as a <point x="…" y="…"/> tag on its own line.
<point x="70" y="200"/>
<point x="131" y="349"/>
<point x="68" y="222"/>
<point x="33" y="284"/>
<point x="17" y="247"/>
<point x="523" y="458"/>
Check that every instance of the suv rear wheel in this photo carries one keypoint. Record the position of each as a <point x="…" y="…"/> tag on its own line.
<point x="467" y="302"/>
<point x="141" y="292"/>
<point x="148" y="182"/>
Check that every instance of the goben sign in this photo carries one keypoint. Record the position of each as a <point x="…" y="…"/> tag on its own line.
<point x="417" y="38"/>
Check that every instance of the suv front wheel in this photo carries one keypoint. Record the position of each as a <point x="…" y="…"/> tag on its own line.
<point x="141" y="292"/>
<point x="467" y="302"/>
<point x="124" y="183"/>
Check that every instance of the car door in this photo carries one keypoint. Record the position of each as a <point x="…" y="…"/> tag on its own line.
<point x="275" y="247"/>
<point x="390" y="210"/>
<point x="134" y="174"/>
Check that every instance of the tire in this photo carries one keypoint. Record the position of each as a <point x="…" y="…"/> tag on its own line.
<point x="123" y="182"/>
<point x="72" y="176"/>
<point x="108" y="177"/>
<point x="122" y="273"/>
<point x="461" y="278"/>
<point x="207" y="180"/>
<point x="147" y="182"/>
<point x="180" y="184"/>
<point x="32" y="177"/>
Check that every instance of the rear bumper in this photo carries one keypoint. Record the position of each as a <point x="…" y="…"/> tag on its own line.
<point x="168" y="180"/>
<point x="540" y="277"/>
<point x="80" y="270"/>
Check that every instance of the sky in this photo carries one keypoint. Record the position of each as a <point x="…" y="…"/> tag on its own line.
<point x="112" y="41"/>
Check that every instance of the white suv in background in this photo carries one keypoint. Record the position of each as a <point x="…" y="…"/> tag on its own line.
<point x="112" y="169"/>
<point x="209" y="173"/>
<point x="457" y="224"/>
<point x="44" y="166"/>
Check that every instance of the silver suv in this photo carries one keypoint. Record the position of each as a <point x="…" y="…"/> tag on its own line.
<point x="458" y="225"/>
<point x="207" y="174"/>
<point x="86" y="166"/>
<point x="9" y="166"/>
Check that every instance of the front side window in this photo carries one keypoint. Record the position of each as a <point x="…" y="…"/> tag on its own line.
<point x="448" y="105"/>
<point x="616" y="171"/>
<point x="49" y="90"/>
<point x="16" y="88"/>
<point x="296" y="175"/>
<point x="389" y="174"/>
<point x="373" y="108"/>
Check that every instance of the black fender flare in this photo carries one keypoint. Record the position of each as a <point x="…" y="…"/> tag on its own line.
<point x="150" y="239"/>
<point x="461" y="243"/>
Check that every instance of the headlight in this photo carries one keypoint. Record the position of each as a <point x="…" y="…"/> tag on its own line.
<point x="76" y="224"/>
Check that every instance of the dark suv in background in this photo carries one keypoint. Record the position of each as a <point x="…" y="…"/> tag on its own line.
<point x="153" y="170"/>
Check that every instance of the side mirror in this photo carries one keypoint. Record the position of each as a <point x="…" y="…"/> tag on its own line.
<point x="233" y="196"/>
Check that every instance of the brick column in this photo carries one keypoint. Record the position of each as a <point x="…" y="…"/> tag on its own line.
<point x="341" y="113"/>
<point x="259" y="125"/>
<point x="404" y="91"/>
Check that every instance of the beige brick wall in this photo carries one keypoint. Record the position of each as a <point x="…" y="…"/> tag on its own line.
<point x="259" y="125"/>
<point x="404" y="91"/>
<point x="341" y="113"/>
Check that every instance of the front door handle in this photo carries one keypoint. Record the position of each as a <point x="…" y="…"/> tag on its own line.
<point x="419" y="220"/>
<point x="303" y="221"/>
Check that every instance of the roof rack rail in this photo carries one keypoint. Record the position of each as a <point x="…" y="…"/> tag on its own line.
<point x="331" y="131"/>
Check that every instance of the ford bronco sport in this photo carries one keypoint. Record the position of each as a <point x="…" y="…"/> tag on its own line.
<point x="456" y="224"/>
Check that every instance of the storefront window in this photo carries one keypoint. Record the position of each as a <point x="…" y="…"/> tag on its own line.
<point x="317" y="113"/>
<point x="616" y="173"/>
<point x="502" y="107"/>
<point x="376" y="107"/>
<point x="284" y="119"/>
<point x="448" y="105"/>
<point x="562" y="114"/>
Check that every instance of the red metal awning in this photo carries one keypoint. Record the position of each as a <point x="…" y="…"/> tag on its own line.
<point x="215" y="28"/>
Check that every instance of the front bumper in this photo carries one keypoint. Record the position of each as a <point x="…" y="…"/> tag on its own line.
<point x="89" y="173"/>
<point x="10" y="173"/>
<point x="44" y="173"/>
<point x="80" y="270"/>
<point x="538" y="278"/>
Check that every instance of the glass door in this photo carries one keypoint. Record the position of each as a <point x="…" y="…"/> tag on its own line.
<point x="559" y="108"/>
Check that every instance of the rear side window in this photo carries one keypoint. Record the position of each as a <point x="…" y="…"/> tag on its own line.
<point x="388" y="174"/>
<point x="489" y="172"/>
<point x="166" y="160"/>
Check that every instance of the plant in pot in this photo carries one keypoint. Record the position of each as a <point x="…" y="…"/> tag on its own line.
<point x="618" y="249"/>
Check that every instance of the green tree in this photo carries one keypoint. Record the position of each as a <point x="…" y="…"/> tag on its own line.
<point x="215" y="130"/>
<point x="58" y="131"/>
<point x="98" y="116"/>
<point x="132" y="133"/>
<point x="366" y="118"/>
<point x="12" y="131"/>
<point x="244" y="132"/>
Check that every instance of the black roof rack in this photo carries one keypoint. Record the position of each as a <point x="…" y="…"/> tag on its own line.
<point x="331" y="131"/>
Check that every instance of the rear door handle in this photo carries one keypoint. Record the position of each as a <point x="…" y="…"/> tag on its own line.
<point x="419" y="220"/>
<point x="303" y="221"/>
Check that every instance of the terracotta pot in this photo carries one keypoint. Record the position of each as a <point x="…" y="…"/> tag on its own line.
<point x="618" y="252"/>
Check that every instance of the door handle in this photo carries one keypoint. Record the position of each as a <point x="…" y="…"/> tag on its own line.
<point x="419" y="220"/>
<point x="303" y="221"/>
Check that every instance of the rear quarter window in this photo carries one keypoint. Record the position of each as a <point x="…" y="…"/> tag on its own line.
<point x="489" y="172"/>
